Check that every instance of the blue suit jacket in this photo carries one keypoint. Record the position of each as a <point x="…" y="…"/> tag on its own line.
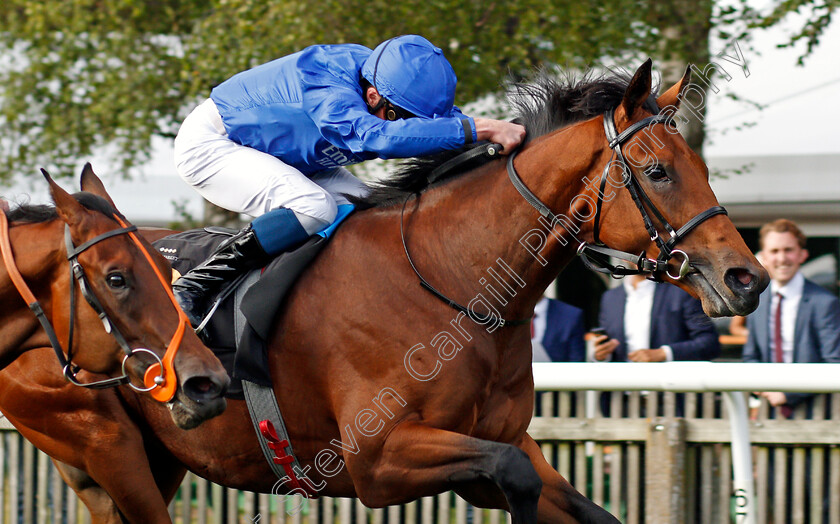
<point x="564" y="330"/>
<point x="677" y="320"/>
<point x="816" y="332"/>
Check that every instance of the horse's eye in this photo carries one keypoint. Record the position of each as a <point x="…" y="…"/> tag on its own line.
<point x="116" y="280"/>
<point x="656" y="173"/>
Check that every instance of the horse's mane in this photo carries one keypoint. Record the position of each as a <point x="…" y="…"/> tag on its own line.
<point x="546" y="103"/>
<point x="39" y="213"/>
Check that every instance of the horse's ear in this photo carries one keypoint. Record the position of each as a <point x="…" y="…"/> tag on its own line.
<point x="639" y="89"/>
<point x="674" y="95"/>
<point x="92" y="184"/>
<point x="68" y="208"/>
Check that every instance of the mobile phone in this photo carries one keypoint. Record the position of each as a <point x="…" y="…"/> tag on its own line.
<point x="598" y="331"/>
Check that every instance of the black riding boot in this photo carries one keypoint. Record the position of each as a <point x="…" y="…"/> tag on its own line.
<point x="197" y="288"/>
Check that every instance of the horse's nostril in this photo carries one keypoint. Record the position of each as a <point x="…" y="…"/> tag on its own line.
<point x="203" y="388"/>
<point x="739" y="279"/>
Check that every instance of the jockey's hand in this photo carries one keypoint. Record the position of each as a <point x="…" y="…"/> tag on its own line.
<point x="508" y="134"/>
<point x="4" y="206"/>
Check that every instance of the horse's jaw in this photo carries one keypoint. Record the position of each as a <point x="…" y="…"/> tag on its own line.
<point x="717" y="295"/>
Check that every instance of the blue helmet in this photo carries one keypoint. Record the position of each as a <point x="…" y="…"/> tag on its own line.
<point x="413" y="74"/>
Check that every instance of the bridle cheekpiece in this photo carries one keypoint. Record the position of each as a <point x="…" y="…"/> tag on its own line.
<point x="595" y="255"/>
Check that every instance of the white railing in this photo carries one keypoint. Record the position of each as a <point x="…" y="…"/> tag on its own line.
<point x="686" y="376"/>
<point x="201" y="502"/>
<point x="731" y="378"/>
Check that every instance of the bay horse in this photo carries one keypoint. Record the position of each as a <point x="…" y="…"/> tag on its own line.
<point x="391" y="393"/>
<point x="129" y="323"/>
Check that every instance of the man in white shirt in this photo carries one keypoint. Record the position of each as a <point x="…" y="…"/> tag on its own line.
<point x="650" y="322"/>
<point x="647" y="321"/>
<point x="796" y="320"/>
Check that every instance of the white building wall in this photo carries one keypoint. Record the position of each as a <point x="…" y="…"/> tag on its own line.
<point x="804" y="188"/>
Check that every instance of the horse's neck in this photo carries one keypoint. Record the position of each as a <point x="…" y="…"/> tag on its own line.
<point x="36" y="250"/>
<point x="478" y="232"/>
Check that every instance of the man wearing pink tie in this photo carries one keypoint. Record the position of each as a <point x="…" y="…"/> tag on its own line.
<point x="796" y="320"/>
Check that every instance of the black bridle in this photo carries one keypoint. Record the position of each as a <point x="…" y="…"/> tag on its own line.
<point x="596" y="256"/>
<point x="78" y="273"/>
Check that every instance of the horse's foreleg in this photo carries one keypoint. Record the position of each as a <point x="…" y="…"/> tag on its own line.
<point x="559" y="501"/>
<point x="416" y="461"/>
<point x="168" y="472"/>
<point x="125" y="492"/>
<point x="101" y="506"/>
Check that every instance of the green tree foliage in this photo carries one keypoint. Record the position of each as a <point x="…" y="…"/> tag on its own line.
<point x="76" y="75"/>
<point x="83" y="73"/>
<point x="817" y="16"/>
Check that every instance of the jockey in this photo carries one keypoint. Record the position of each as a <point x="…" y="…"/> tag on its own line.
<point x="271" y="142"/>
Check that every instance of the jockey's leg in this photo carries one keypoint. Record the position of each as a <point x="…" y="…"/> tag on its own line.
<point x="236" y="255"/>
<point x="289" y="206"/>
<point x="339" y="182"/>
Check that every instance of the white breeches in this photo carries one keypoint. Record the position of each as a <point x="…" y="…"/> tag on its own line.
<point x="244" y="180"/>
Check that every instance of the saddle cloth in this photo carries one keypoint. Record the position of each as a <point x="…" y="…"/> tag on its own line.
<point x="238" y="331"/>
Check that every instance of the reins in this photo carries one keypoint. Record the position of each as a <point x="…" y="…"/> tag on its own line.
<point x="473" y="314"/>
<point x="487" y="151"/>
<point x="595" y="255"/>
<point x="160" y="379"/>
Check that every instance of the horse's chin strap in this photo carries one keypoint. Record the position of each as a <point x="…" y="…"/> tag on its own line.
<point x="596" y="256"/>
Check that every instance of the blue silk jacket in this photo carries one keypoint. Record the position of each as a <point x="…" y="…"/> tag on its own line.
<point x="308" y="110"/>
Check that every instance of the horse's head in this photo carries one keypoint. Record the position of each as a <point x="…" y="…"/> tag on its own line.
<point x="698" y="247"/>
<point x="134" y="324"/>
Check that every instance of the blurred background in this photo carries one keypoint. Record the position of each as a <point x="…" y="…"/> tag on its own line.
<point x="109" y="81"/>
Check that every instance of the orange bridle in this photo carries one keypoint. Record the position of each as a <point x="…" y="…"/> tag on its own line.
<point x="159" y="379"/>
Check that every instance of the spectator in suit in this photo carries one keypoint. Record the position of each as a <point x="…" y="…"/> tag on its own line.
<point x="796" y="320"/>
<point x="650" y="322"/>
<point x="647" y="321"/>
<point x="557" y="331"/>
